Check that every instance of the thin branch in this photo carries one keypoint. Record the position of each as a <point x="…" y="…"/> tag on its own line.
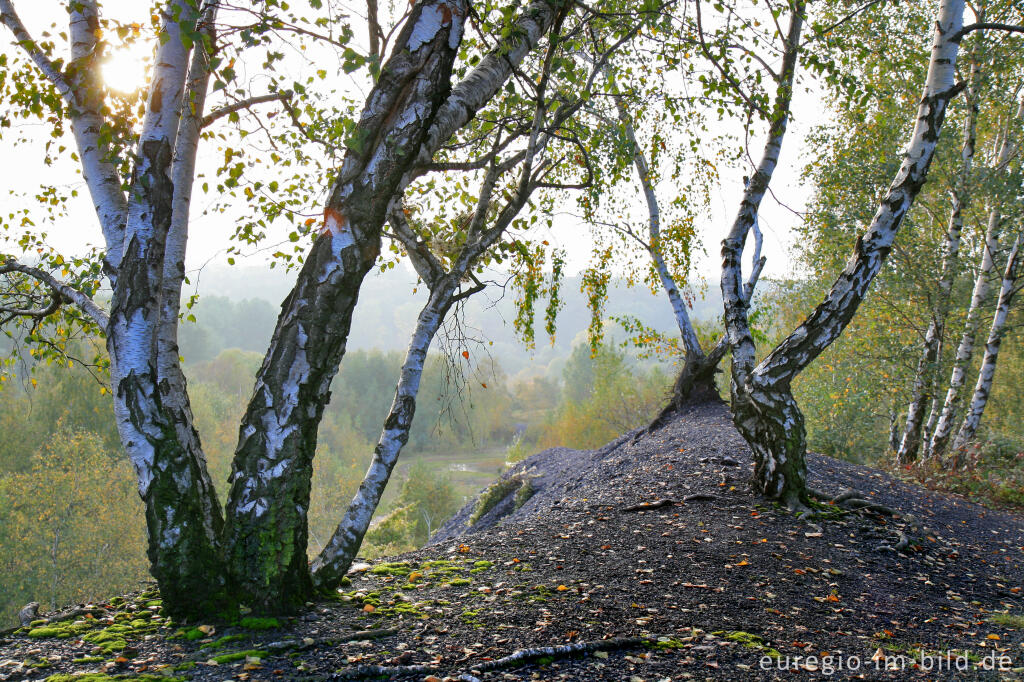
<point x="11" y="20"/>
<point x="330" y="147"/>
<point x="64" y="291"/>
<point x="737" y="88"/>
<point x="244" y="104"/>
<point x="984" y="25"/>
<point x="827" y="29"/>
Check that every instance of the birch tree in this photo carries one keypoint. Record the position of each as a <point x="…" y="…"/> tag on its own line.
<point x="965" y="350"/>
<point x="983" y="388"/>
<point x="202" y="564"/>
<point x="450" y="273"/>
<point x="763" y="406"/>
<point x="924" y="379"/>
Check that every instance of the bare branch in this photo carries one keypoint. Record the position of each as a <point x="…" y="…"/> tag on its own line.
<point x="987" y="25"/>
<point x="245" y="104"/>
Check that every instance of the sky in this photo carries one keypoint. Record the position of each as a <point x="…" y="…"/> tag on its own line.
<point x="210" y="234"/>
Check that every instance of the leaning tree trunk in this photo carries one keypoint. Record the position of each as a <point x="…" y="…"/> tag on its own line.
<point x="401" y="129"/>
<point x="924" y="379"/>
<point x="763" y="407"/>
<point x="995" y="337"/>
<point x="691" y="345"/>
<point x="182" y="514"/>
<point x="332" y="563"/>
<point x="695" y="382"/>
<point x="266" y="532"/>
<point x="770" y="422"/>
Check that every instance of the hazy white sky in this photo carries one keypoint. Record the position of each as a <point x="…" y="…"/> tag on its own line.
<point x="23" y="173"/>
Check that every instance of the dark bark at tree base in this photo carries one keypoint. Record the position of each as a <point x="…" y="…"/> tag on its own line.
<point x="694" y="385"/>
<point x="773" y="426"/>
<point x="266" y="528"/>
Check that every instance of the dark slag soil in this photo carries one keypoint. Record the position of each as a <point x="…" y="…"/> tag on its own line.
<point x="723" y="579"/>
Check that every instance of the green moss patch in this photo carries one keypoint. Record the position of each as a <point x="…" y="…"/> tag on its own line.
<point x="748" y="640"/>
<point x="102" y="677"/>
<point x="397" y="568"/>
<point x="254" y="623"/>
<point x="223" y="641"/>
<point x="58" y="632"/>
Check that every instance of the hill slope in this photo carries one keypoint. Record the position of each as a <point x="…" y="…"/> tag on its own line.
<point x="723" y="580"/>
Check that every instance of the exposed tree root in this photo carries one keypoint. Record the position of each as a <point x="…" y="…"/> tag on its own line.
<point x="645" y="506"/>
<point x="527" y="656"/>
<point x="362" y="672"/>
<point x="854" y="501"/>
<point x="515" y="660"/>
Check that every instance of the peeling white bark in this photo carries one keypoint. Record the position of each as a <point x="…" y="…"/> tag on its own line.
<point x="332" y="563"/>
<point x="266" y="511"/>
<point x="486" y="78"/>
<point x="154" y="420"/>
<point x="987" y="373"/>
<point x="825" y="324"/>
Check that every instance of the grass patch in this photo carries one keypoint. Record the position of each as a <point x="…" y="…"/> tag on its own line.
<point x="239" y="656"/>
<point x="495" y="493"/>
<point x="1006" y="620"/>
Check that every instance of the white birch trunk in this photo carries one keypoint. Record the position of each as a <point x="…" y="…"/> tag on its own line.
<point x="925" y="378"/>
<point x="272" y="468"/>
<point x="995" y="337"/>
<point x="84" y="96"/>
<point x="686" y="332"/>
<point x="763" y="406"/>
<point x="965" y="350"/>
<point x="182" y="513"/>
<point x="332" y="563"/>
